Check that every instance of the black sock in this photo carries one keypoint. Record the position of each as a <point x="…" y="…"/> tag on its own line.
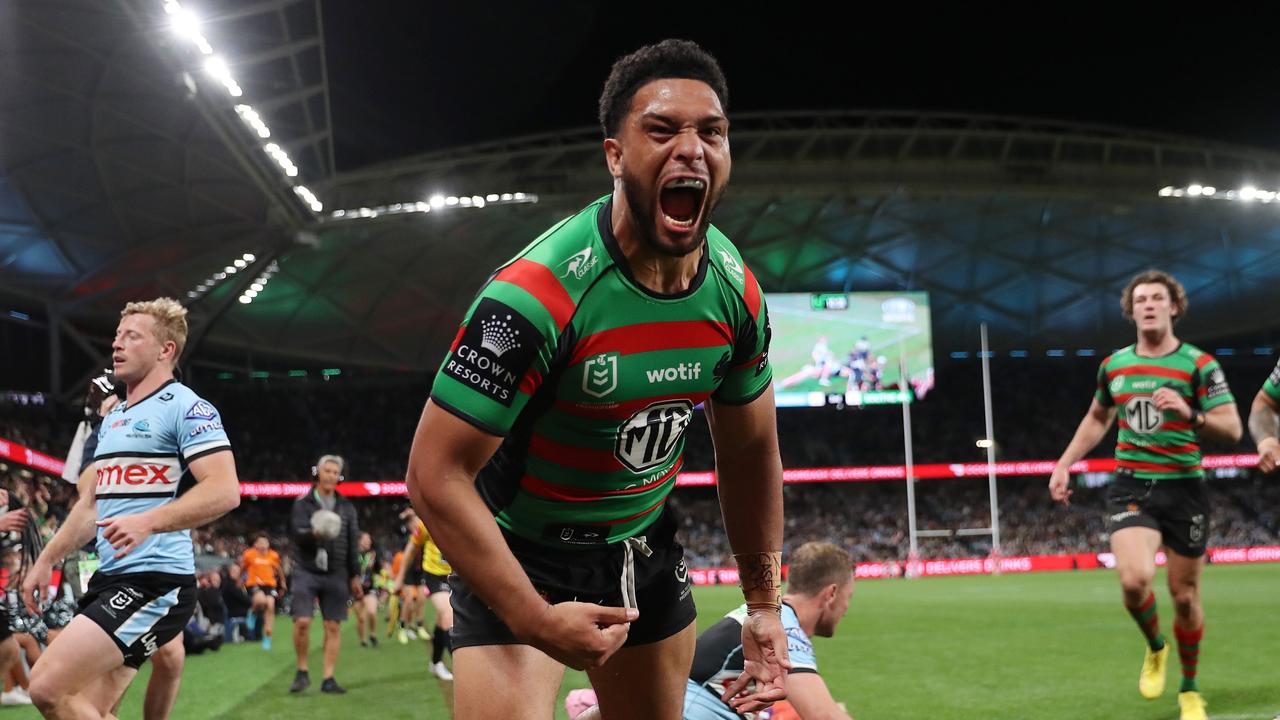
<point x="438" y="641"/>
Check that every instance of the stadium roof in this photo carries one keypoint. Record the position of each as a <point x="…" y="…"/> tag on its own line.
<point x="127" y="172"/>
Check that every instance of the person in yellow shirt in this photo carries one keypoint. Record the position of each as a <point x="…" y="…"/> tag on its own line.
<point x="435" y="573"/>
<point x="264" y="580"/>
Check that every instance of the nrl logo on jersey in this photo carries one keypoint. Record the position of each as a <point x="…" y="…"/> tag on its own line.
<point x="578" y="264"/>
<point x="600" y="375"/>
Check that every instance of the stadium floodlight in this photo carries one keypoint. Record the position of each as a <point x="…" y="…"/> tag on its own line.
<point x="1208" y="190"/>
<point x="437" y="201"/>
<point x="248" y="257"/>
<point x="256" y="286"/>
<point x="218" y="70"/>
<point x="245" y="299"/>
<point x="1248" y="193"/>
<point x="983" y="443"/>
<point x="240" y="263"/>
<point x="451" y="201"/>
<point x="1166" y="191"/>
<point x="1195" y="190"/>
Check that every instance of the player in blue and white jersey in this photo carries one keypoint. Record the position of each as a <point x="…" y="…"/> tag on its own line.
<point x="819" y="586"/>
<point x="163" y="466"/>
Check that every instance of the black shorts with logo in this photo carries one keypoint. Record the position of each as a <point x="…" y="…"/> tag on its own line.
<point x="595" y="575"/>
<point x="435" y="583"/>
<point x="140" y="611"/>
<point x="1178" y="509"/>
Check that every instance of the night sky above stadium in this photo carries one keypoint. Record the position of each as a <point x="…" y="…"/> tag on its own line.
<point x="408" y="76"/>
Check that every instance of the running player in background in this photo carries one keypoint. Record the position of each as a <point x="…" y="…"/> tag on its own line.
<point x="1172" y="394"/>
<point x="409" y="586"/>
<point x="264" y="579"/>
<point x="164" y="465"/>
<point x="367" y="607"/>
<point x="580" y="364"/>
<point x="422" y="551"/>
<point x="1264" y="422"/>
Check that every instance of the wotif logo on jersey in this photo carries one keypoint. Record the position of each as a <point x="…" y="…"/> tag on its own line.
<point x="683" y="371"/>
<point x="600" y="374"/>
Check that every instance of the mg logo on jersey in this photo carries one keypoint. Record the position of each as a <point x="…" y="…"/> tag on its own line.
<point x="649" y="437"/>
<point x="600" y="375"/>
<point x="1142" y="416"/>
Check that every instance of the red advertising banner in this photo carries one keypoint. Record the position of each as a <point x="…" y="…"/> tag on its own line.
<point x="866" y="473"/>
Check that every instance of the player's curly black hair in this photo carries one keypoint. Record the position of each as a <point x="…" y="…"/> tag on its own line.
<point x="668" y="59"/>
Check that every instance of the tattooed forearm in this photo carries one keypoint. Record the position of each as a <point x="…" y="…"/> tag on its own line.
<point x="1263" y="423"/>
<point x="761" y="577"/>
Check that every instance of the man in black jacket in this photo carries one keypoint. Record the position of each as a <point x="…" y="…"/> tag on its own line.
<point x="325" y="570"/>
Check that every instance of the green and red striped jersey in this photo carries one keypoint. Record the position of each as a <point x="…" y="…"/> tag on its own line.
<point x="1157" y="445"/>
<point x="592" y="379"/>
<point x="1272" y="385"/>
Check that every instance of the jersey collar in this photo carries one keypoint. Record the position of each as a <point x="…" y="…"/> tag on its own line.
<point x="125" y="404"/>
<point x="605" y="224"/>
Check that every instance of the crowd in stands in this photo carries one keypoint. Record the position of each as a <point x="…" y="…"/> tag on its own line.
<point x="278" y="427"/>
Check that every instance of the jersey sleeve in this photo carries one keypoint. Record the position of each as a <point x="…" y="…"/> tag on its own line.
<point x="199" y="429"/>
<point x="800" y="650"/>
<point x="504" y="348"/>
<point x="749" y="373"/>
<point x="1211" y="384"/>
<point x="1103" y="392"/>
<point x="1272" y="385"/>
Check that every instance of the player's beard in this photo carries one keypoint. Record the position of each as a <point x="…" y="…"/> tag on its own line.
<point x="645" y="222"/>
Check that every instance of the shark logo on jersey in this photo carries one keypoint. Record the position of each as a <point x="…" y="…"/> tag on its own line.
<point x="600" y="374"/>
<point x="732" y="266"/>
<point x="201" y="411"/>
<point x="579" y="264"/>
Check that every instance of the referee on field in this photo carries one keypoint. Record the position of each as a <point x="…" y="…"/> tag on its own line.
<point x="327" y="571"/>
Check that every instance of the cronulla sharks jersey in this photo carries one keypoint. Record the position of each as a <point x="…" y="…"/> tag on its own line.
<point x="144" y="450"/>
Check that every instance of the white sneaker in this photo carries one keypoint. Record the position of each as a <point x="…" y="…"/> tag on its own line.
<point x="16" y="696"/>
<point x="439" y="670"/>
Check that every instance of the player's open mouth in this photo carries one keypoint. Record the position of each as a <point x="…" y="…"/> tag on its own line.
<point x="681" y="200"/>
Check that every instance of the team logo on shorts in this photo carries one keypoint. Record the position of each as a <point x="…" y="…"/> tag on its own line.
<point x="1196" y="534"/>
<point x="682" y="572"/>
<point x="120" y="600"/>
<point x="1141" y="415"/>
<point x="648" y="438"/>
<point x="600" y="374"/>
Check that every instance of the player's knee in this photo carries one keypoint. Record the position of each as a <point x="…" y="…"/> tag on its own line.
<point x="1135" y="581"/>
<point x="301" y="624"/>
<point x="44" y="690"/>
<point x="1185" y="597"/>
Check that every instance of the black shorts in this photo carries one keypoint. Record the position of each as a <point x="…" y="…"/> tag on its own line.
<point x="1178" y="509"/>
<point x="435" y="583"/>
<point x="140" y="611"/>
<point x="6" y="632"/>
<point x="414" y="575"/>
<point x="267" y="590"/>
<point x="662" y="590"/>
<point x="332" y="590"/>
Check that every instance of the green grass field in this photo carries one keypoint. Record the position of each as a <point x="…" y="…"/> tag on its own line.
<point x="1054" y="646"/>
<point x="796" y="327"/>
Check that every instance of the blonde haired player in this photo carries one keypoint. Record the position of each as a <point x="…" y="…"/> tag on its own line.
<point x="163" y="466"/>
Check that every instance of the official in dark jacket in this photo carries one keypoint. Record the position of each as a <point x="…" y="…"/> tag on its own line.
<point x="325" y="571"/>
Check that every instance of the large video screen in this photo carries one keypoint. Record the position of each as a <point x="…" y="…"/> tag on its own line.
<point x="847" y="348"/>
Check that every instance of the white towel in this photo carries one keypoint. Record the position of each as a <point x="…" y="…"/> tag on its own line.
<point x="75" y="456"/>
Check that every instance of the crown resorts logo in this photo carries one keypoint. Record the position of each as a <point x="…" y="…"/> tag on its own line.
<point x="497" y="336"/>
